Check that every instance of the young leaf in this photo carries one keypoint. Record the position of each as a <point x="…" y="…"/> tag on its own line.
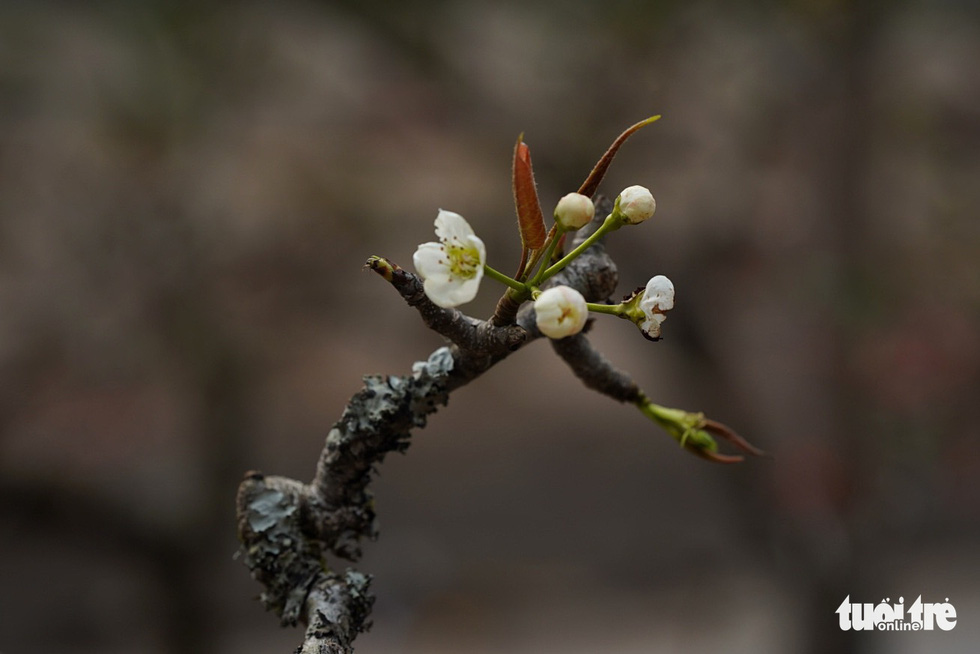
<point x="529" y="215"/>
<point x="591" y="183"/>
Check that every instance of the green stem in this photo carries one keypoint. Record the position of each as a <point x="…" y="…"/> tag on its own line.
<point x="503" y="279"/>
<point x="649" y="409"/>
<point x="536" y="255"/>
<point x="552" y="243"/>
<point x="611" y="309"/>
<point x="663" y="416"/>
<point x="610" y="224"/>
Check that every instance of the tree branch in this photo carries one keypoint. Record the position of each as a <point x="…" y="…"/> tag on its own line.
<point x="471" y="335"/>
<point x="287" y="527"/>
<point x="595" y="370"/>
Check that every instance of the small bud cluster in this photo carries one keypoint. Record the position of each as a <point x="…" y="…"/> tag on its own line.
<point x="453" y="267"/>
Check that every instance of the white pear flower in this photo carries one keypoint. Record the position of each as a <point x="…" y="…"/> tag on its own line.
<point x="657" y="300"/>
<point x="574" y="211"/>
<point x="636" y="204"/>
<point x="561" y="311"/>
<point x="453" y="267"/>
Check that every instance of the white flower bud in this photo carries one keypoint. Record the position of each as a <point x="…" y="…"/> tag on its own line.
<point x="561" y="311"/>
<point x="636" y="204"/>
<point x="658" y="299"/>
<point x="574" y="211"/>
<point x="659" y="293"/>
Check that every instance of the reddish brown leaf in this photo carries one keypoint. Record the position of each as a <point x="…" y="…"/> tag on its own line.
<point x="591" y="183"/>
<point x="718" y="457"/>
<point x="726" y="432"/>
<point x="529" y="216"/>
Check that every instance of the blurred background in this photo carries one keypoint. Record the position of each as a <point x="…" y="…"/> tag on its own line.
<point x="188" y="192"/>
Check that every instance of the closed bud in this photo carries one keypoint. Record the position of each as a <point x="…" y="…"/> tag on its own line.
<point x="635" y="204"/>
<point x="574" y="211"/>
<point x="561" y="311"/>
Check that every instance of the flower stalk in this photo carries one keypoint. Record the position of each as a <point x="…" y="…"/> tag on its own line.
<point x="504" y="279"/>
<point x="610" y="224"/>
<point x="617" y="310"/>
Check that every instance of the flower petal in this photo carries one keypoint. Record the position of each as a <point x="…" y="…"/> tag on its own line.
<point x="447" y="292"/>
<point x="659" y="294"/>
<point x="430" y="260"/>
<point x="653" y="322"/>
<point x="452" y="227"/>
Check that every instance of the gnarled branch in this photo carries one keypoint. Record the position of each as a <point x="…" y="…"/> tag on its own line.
<point x="287" y="528"/>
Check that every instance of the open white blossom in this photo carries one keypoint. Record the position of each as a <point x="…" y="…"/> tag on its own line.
<point x="574" y="211"/>
<point x="453" y="267"/>
<point x="561" y="311"/>
<point x="636" y="203"/>
<point x="658" y="299"/>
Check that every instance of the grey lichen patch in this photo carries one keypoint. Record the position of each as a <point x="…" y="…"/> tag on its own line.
<point x="338" y="608"/>
<point x="267" y="509"/>
<point x="439" y="364"/>
<point x="429" y="379"/>
<point x="277" y="549"/>
<point x="377" y="420"/>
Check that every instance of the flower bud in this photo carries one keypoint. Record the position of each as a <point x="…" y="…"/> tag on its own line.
<point x="561" y="311"/>
<point x="659" y="294"/>
<point x="635" y="204"/>
<point x="657" y="300"/>
<point x="697" y="434"/>
<point x="574" y="211"/>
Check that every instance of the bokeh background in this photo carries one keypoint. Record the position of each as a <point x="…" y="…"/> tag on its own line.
<point x="188" y="192"/>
